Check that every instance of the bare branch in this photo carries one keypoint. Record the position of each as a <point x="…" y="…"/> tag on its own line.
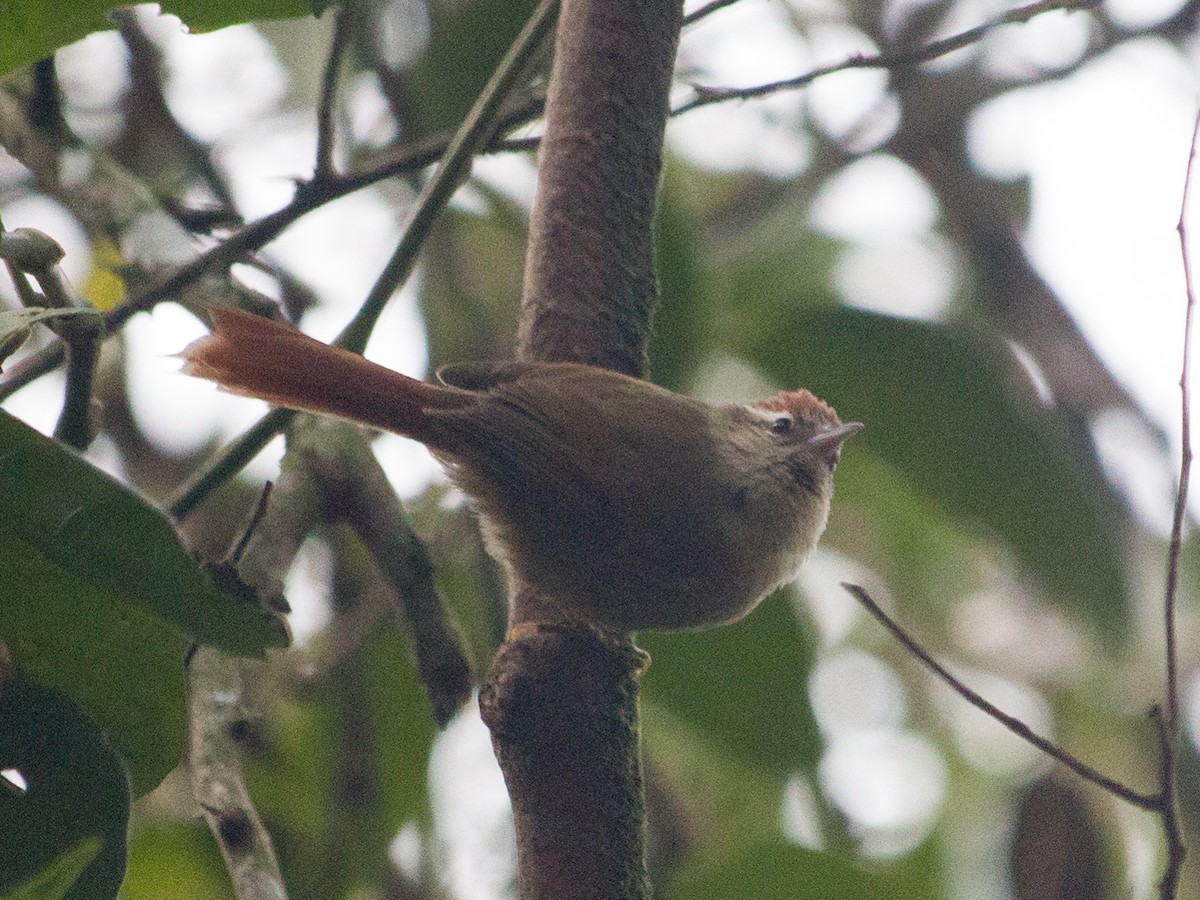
<point x="1144" y="801"/>
<point x="1168" y="886"/>
<point x="893" y="59"/>
<point x="324" y="169"/>
<point x="1185" y="463"/>
<point x="331" y="466"/>
<point x="218" y="708"/>
<point x="706" y="10"/>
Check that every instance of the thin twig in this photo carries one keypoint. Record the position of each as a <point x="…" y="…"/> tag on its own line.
<point x="1185" y="463"/>
<point x="893" y="59"/>
<point x="1168" y="886"/>
<point x="1016" y="726"/>
<point x="1167" y="728"/>
<point x="477" y="129"/>
<point x="219" y="697"/>
<point x="232" y="459"/>
<point x="25" y="292"/>
<point x="312" y="195"/>
<point x="324" y="169"/>
<point x="27" y="253"/>
<point x="706" y="10"/>
<point x="256" y="517"/>
<point x="309" y="196"/>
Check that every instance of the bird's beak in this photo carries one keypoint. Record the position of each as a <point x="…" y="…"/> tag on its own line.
<point x="829" y="442"/>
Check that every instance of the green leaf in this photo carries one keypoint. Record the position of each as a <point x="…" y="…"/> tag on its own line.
<point x="65" y="833"/>
<point x="53" y="882"/>
<point x="946" y="407"/>
<point x="34" y="29"/>
<point x="743" y="686"/>
<point x="120" y="663"/>
<point x="86" y="531"/>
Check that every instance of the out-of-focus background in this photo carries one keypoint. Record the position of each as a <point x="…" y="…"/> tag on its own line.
<point x="976" y="256"/>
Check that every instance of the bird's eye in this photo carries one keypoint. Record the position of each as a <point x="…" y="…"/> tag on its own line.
<point x="782" y="425"/>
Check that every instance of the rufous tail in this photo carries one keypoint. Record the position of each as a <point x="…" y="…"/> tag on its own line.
<point x="257" y="357"/>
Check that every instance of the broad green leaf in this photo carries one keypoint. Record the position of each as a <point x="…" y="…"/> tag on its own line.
<point x="76" y="791"/>
<point x="743" y="686"/>
<point x="54" y="881"/>
<point x="120" y="663"/>
<point x="88" y="532"/>
<point x="945" y="407"/>
<point x="32" y="29"/>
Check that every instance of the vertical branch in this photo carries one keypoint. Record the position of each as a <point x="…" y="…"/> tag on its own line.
<point x="1185" y="464"/>
<point x="561" y="699"/>
<point x="561" y="703"/>
<point x="217" y="688"/>
<point x="1168" y="885"/>
<point x="589" y="273"/>
<point x="324" y="169"/>
<point x="76" y="426"/>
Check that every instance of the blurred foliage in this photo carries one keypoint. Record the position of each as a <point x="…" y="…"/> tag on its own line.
<point x="466" y="41"/>
<point x="742" y="686"/>
<point x="944" y="408"/>
<point x="471" y="292"/>
<point x="781" y="871"/>
<point x="342" y="767"/>
<point x="965" y="494"/>
<point x="169" y="859"/>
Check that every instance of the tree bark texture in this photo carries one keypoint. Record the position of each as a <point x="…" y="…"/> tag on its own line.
<point x="589" y="275"/>
<point x="561" y="699"/>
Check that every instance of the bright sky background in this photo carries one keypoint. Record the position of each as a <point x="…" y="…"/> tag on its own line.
<point x="1105" y="149"/>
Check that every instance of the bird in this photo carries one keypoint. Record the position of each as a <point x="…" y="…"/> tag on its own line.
<point x="628" y="505"/>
